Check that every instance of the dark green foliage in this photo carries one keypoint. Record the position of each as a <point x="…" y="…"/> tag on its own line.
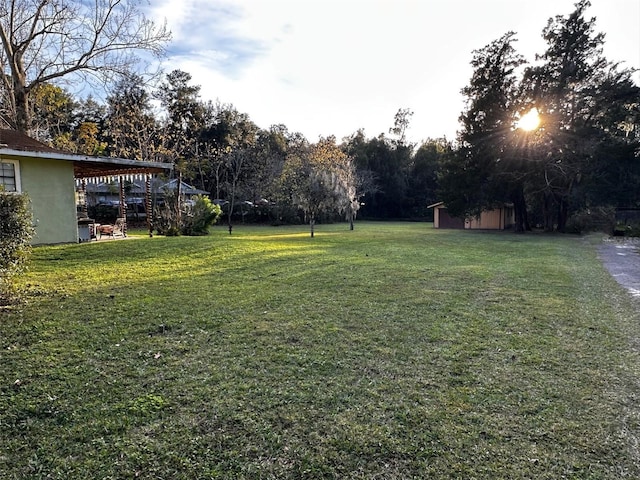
<point x="15" y="236"/>
<point x="582" y="156"/>
<point x="423" y="180"/>
<point x="480" y="174"/>
<point x="597" y="219"/>
<point x="389" y="163"/>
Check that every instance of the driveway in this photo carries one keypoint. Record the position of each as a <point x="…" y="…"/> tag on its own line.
<point x="622" y="258"/>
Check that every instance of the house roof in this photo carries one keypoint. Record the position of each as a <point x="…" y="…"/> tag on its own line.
<point x="18" y="144"/>
<point x="19" y="141"/>
<point x="185" y="188"/>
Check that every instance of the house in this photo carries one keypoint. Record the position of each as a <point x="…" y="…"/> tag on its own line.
<point x="48" y="176"/>
<point x="107" y="192"/>
<point x="500" y="218"/>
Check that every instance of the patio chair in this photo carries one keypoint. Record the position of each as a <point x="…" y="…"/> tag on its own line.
<point x="118" y="229"/>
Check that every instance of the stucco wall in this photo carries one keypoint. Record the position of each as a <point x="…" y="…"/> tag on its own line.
<point x="51" y="188"/>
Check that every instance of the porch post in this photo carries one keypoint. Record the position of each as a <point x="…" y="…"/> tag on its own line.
<point x="123" y="207"/>
<point x="148" y="205"/>
<point x="83" y="207"/>
<point x="179" y="200"/>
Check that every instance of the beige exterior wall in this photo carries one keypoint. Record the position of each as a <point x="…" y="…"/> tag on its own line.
<point x="51" y="189"/>
<point x="491" y="220"/>
<point x="497" y="219"/>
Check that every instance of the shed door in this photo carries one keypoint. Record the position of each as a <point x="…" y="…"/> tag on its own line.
<point x="447" y="221"/>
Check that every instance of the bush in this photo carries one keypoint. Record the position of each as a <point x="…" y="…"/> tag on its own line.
<point x="194" y="219"/>
<point x="197" y="218"/>
<point x="629" y="229"/>
<point x="16" y="231"/>
<point x="597" y="219"/>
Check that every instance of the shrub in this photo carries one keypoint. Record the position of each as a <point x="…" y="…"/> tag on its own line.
<point x="597" y="219"/>
<point x="629" y="229"/>
<point x="198" y="217"/>
<point x="16" y="231"/>
<point x="194" y="218"/>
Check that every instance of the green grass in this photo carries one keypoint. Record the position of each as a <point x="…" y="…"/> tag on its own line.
<point x="393" y="351"/>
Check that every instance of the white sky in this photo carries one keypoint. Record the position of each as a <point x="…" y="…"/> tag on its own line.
<point x="331" y="67"/>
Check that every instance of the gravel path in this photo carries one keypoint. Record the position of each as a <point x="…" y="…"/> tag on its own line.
<point x="622" y="259"/>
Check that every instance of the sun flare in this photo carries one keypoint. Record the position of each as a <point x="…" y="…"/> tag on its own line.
<point x="529" y="121"/>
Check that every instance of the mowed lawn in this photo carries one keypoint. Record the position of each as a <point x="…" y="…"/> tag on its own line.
<point x="394" y="351"/>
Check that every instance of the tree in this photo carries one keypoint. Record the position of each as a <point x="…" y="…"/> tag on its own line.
<point x="584" y="142"/>
<point x="235" y="164"/>
<point x="131" y="129"/>
<point x="585" y="103"/>
<point x="52" y="112"/>
<point x="385" y="164"/>
<point x="401" y="122"/>
<point x="43" y="41"/>
<point x="186" y="115"/>
<point x="226" y="150"/>
<point x="322" y="180"/>
<point x="422" y="182"/>
<point x="479" y="174"/>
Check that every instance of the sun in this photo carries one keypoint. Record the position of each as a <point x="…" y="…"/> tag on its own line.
<point x="529" y="121"/>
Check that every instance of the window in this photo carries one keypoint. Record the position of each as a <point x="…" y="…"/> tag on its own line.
<point x="9" y="176"/>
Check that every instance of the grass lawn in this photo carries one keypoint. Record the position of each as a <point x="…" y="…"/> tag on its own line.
<point x="393" y="351"/>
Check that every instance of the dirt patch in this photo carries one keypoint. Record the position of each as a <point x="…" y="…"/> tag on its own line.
<point x="622" y="258"/>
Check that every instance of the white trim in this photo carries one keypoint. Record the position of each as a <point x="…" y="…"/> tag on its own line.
<point x="83" y="158"/>
<point x="16" y="171"/>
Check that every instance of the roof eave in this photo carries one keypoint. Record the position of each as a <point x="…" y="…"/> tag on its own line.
<point x="88" y="166"/>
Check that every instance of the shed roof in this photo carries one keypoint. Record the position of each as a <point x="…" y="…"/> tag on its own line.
<point x="18" y="144"/>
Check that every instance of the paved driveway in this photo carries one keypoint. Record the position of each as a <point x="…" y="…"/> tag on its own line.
<point x="622" y="259"/>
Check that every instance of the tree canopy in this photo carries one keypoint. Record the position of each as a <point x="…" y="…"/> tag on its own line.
<point x="588" y="130"/>
<point x="44" y="41"/>
<point x="583" y="154"/>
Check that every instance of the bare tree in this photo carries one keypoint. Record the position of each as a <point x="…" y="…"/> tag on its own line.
<point x="46" y="40"/>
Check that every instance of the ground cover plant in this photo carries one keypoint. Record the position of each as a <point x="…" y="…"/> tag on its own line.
<point x="391" y="351"/>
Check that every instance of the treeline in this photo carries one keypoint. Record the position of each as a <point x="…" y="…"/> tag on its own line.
<point x="582" y="159"/>
<point x="220" y="150"/>
<point x="581" y="162"/>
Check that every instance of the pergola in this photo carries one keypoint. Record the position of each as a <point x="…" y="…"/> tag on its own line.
<point x="96" y="167"/>
<point x="18" y="145"/>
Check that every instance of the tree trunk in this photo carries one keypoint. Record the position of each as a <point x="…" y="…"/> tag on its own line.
<point x="520" y="211"/>
<point x="21" y="95"/>
<point x="563" y="214"/>
<point x="312" y="224"/>
<point x="350" y="218"/>
<point x="547" y="211"/>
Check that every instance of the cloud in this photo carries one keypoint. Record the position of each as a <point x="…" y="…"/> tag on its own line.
<point x="210" y="33"/>
<point x="326" y="67"/>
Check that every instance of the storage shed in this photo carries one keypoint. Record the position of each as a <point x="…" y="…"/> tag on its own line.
<point x="501" y="218"/>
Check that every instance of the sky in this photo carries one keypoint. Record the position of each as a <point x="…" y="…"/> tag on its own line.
<point x="332" y="67"/>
